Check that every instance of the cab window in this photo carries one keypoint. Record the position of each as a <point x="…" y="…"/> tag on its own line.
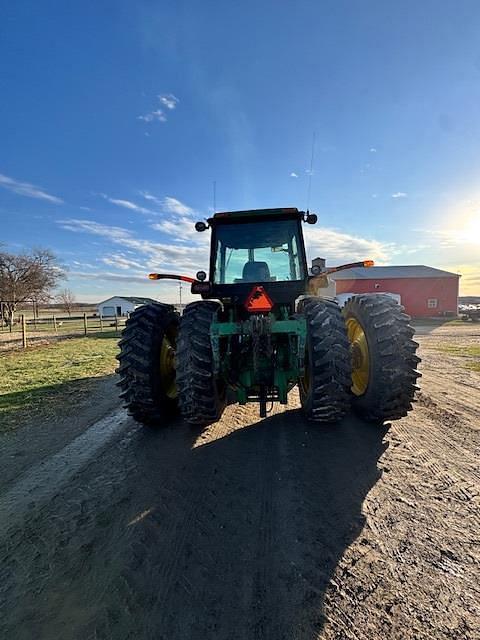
<point x="257" y="252"/>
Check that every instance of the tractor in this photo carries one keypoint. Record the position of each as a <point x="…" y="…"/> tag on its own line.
<point x="261" y="328"/>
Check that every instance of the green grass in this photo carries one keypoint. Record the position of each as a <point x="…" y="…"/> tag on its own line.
<point x="42" y="381"/>
<point x="472" y="351"/>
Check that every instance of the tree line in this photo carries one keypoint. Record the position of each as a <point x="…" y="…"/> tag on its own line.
<point x="30" y="277"/>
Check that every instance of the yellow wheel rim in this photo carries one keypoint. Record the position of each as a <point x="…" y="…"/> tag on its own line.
<point x="360" y="356"/>
<point x="167" y="368"/>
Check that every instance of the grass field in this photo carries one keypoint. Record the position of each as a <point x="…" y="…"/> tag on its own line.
<point x="471" y="352"/>
<point x="41" y="380"/>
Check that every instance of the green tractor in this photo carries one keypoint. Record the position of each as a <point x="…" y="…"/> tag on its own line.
<point x="263" y="327"/>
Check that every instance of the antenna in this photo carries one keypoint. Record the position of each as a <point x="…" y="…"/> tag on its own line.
<point x="214" y="196"/>
<point x="310" y="172"/>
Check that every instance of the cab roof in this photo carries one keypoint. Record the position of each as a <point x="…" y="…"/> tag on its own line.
<point x="255" y="213"/>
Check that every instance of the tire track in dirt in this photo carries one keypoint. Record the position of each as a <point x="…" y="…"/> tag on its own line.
<point x="417" y="546"/>
<point x="42" y="482"/>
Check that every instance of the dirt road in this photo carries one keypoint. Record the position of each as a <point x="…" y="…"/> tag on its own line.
<point x="254" y="530"/>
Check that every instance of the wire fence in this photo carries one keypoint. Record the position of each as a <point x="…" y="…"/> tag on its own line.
<point x="25" y="332"/>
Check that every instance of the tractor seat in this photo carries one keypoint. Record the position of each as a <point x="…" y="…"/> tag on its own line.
<point x="256" y="272"/>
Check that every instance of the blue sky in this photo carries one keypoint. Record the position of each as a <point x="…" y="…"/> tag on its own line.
<point x="116" y="118"/>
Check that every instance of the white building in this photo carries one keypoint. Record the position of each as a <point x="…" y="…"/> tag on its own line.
<point x="121" y="305"/>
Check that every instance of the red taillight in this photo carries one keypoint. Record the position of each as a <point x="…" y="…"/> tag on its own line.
<point x="258" y="301"/>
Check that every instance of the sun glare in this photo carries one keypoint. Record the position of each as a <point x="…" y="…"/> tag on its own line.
<point x="467" y="231"/>
<point x="458" y="224"/>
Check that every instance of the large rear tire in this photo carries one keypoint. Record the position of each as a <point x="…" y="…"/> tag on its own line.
<point x="201" y="397"/>
<point x="384" y="360"/>
<point x="147" y="366"/>
<point x="324" y="388"/>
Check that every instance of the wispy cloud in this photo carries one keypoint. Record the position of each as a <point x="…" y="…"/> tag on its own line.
<point x="170" y="256"/>
<point x="373" y="150"/>
<point x="169" y="204"/>
<point x="181" y="229"/>
<point x="337" y="246"/>
<point x="120" y="261"/>
<point x="463" y="236"/>
<point x="169" y="100"/>
<point x="27" y="189"/>
<point x="114" y="277"/>
<point x="178" y="223"/>
<point x="294" y="175"/>
<point x="151" y="198"/>
<point x="115" y="234"/>
<point x="400" y="194"/>
<point x="175" y="206"/>
<point x="127" y="204"/>
<point x="158" y="115"/>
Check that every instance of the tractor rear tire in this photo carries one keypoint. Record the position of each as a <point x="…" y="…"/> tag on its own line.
<point x="324" y="388"/>
<point x="146" y="364"/>
<point x="201" y="397"/>
<point x="384" y="357"/>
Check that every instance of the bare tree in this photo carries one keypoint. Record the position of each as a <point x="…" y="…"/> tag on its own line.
<point x="27" y="277"/>
<point x="67" y="299"/>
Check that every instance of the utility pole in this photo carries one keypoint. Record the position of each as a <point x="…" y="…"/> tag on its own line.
<point x="180" y="292"/>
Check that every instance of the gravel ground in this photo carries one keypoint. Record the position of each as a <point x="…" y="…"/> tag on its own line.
<point x="254" y="529"/>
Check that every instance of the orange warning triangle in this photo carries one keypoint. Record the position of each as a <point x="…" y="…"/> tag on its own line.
<point x="258" y="301"/>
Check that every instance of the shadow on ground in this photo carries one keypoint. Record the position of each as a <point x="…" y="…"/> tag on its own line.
<point x="425" y="326"/>
<point x="283" y="501"/>
<point x="44" y="403"/>
<point x="169" y="536"/>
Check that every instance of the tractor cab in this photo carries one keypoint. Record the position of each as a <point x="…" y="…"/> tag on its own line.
<point x="259" y="247"/>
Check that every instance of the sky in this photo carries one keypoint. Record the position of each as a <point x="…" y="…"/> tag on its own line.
<point x="117" y="117"/>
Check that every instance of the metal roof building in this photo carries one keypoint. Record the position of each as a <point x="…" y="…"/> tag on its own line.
<point x="121" y="305"/>
<point x="424" y="291"/>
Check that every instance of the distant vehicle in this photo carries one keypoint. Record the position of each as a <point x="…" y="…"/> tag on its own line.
<point x="469" y="312"/>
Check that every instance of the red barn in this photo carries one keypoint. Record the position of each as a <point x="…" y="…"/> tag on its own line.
<point x="425" y="292"/>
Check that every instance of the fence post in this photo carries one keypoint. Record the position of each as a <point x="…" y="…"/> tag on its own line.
<point x="24" y="332"/>
<point x="116" y="322"/>
<point x="101" y="323"/>
<point x="85" y="323"/>
<point x="55" y="324"/>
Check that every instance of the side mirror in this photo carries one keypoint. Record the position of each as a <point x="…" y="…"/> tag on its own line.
<point x="311" y="218"/>
<point x="201" y="226"/>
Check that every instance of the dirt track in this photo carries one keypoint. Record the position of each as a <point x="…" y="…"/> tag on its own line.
<point x="273" y="529"/>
